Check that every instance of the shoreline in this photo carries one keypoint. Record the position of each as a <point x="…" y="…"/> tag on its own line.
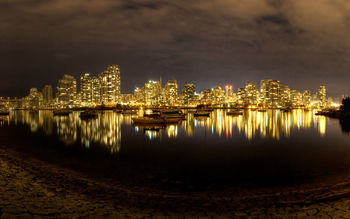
<point x="25" y="181"/>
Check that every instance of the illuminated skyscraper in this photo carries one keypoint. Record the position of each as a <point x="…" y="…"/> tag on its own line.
<point x="322" y="96"/>
<point x="47" y="95"/>
<point x="139" y="95"/>
<point x="96" y="90"/>
<point x="171" y="92"/>
<point x="270" y="92"/>
<point x="229" y="95"/>
<point x="284" y="96"/>
<point x="240" y="97"/>
<point x="86" y="89"/>
<point x="218" y="95"/>
<point x="67" y="91"/>
<point x="153" y="92"/>
<point x="251" y="94"/>
<point x="189" y="93"/>
<point x="110" y="85"/>
<point x="306" y="98"/>
<point x="34" y="98"/>
<point x="296" y="98"/>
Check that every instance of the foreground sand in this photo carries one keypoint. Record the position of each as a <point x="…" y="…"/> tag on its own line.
<point x="31" y="188"/>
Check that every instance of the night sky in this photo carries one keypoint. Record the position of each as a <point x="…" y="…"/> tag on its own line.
<point x="302" y="43"/>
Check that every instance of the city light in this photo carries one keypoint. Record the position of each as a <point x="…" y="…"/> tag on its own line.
<point x="104" y="90"/>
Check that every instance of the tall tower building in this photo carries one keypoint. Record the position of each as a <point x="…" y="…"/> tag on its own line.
<point x="47" y="95"/>
<point x="96" y="90"/>
<point x="218" y="95"/>
<point x="34" y="98"/>
<point x="306" y="98"/>
<point x="110" y="85"/>
<point x="152" y="91"/>
<point x="188" y="93"/>
<point x="270" y="92"/>
<point x="171" y="92"/>
<point x="296" y="98"/>
<point x="284" y="96"/>
<point x="86" y="89"/>
<point x="67" y="91"/>
<point x="322" y="96"/>
<point x="251" y="94"/>
<point x="229" y="96"/>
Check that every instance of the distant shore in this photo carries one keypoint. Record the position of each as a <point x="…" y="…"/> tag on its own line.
<point x="30" y="187"/>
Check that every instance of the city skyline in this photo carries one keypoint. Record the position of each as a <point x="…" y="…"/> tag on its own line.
<point x="104" y="89"/>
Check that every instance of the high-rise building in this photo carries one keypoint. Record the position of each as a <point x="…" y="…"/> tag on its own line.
<point x="284" y="96"/>
<point x="152" y="91"/>
<point x="34" y="98"/>
<point x="306" y="98"/>
<point x="47" y="95"/>
<point x="110" y="85"/>
<point x="67" y="91"/>
<point x="189" y="93"/>
<point x="240" y="97"/>
<point x="171" y="92"/>
<point x="251" y="94"/>
<point x="228" y="94"/>
<point x="270" y="92"/>
<point x="322" y="96"/>
<point x="296" y="98"/>
<point x="86" y="89"/>
<point x="139" y="95"/>
<point x="218" y="95"/>
<point x="207" y="96"/>
<point x="96" y="90"/>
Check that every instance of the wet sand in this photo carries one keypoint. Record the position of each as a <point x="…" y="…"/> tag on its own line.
<point x="33" y="188"/>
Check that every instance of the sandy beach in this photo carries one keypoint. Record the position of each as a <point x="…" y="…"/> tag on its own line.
<point x="32" y="188"/>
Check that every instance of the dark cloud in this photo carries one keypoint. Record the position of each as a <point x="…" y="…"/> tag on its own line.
<point x="302" y="43"/>
<point x="274" y="19"/>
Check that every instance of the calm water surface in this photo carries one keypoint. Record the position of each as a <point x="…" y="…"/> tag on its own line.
<point x="269" y="148"/>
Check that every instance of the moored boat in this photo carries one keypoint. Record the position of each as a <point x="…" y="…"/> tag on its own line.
<point x="148" y="120"/>
<point x="202" y="113"/>
<point x="88" y="114"/>
<point x="61" y="112"/>
<point x="118" y="110"/>
<point x="129" y="112"/>
<point x="234" y="113"/>
<point x="172" y="119"/>
<point x="4" y="113"/>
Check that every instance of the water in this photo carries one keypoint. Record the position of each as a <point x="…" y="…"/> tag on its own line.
<point x="254" y="149"/>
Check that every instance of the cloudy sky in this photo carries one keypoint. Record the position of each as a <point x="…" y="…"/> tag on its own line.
<point x="207" y="42"/>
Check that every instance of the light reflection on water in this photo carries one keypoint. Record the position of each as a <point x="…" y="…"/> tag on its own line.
<point x="107" y="129"/>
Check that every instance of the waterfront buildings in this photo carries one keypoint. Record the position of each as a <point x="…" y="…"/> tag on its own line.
<point x="240" y="97"/>
<point x="171" y="92"/>
<point x="284" y="96"/>
<point x="306" y="98"/>
<point x="67" y="91"/>
<point x="47" y="95"/>
<point x="270" y="90"/>
<point x="189" y="93"/>
<point x="110" y="85"/>
<point x="96" y="90"/>
<point x="104" y="89"/>
<point x="35" y="98"/>
<point x="251" y="94"/>
<point x="296" y="98"/>
<point x="322" y="96"/>
<point x="229" y="95"/>
<point x="86" y="88"/>
<point x="153" y="91"/>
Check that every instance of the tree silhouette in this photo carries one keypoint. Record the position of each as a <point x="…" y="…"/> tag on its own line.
<point x="345" y="107"/>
